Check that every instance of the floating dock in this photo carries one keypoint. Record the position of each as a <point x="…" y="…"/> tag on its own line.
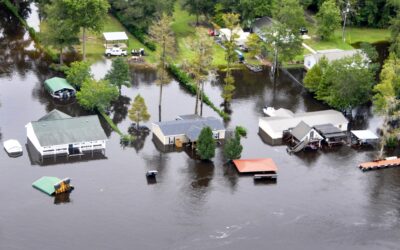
<point x="387" y="163"/>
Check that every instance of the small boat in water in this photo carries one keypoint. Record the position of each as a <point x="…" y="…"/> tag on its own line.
<point x="151" y="173"/>
<point x="13" y="148"/>
<point x="281" y="112"/>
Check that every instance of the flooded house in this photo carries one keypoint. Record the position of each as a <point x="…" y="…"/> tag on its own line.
<point x="303" y="137"/>
<point x="186" y="129"/>
<point x="331" y="55"/>
<point x="60" y="134"/>
<point x="332" y="135"/>
<point x="272" y="128"/>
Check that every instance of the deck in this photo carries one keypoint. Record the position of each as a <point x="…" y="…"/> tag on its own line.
<point x="380" y="164"/>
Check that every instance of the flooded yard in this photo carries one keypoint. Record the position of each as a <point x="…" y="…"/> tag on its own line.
<point x="320" y="201"/>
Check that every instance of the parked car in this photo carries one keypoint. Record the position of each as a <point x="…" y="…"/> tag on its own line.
<point x="303" y="31"/>
<point x="138" y="52"/>
<point x="115" y="51"/>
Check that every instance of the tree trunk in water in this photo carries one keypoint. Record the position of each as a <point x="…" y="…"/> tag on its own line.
<point x="61" y="56"/>
<point x="84" y="44"/>
<point x="201" y="98"/>
<point x="197" y="98"/>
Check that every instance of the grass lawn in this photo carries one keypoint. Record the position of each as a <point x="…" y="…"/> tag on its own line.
<point x="353" y="35"/>
<point x="184" y="30"/>
<point x="95" y="42"/>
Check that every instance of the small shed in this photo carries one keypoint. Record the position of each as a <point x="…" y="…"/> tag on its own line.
<point x="59" y="88"/>
<point x="119" y="39"/>
<point x="52" y="185"/>
<point x="263" y="165"/>
<point x="362" y="137"/>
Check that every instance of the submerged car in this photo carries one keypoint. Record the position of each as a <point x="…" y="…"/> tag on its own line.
<point x="13" y="148"/>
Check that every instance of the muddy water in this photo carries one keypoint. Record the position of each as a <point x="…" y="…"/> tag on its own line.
<point x="321" y="200"/>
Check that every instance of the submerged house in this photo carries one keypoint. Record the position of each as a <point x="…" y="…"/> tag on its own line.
<point x="274" y="127"/>
<point x="331" y="134"/>
<point x="59" y="88"/>
<point x="303" y="136"/>
<point x="60" y="134"/>
<point x="186" y="129"/>
<point x="331" y="55"/>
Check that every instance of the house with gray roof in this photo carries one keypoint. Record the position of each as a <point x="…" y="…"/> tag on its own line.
<point x="58" y="133"/>
<point x="331" y="55"/>
<point x="274" y="127"/>
<point x="303" y="136"/>
<point x="186" y="129"/>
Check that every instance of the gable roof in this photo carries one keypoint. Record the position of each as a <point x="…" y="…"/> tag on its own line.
<point x="189" y="127"/>
<point x="334" y="54"/>
<point x="54" y="115"/>
<point x="57" y="83"/>
<point x="329" y="131"/>
<point x="301" y="130"/>
<point x="56" y="129"/>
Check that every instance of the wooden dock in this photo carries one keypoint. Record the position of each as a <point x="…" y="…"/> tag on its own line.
<point x="387" y="163"/>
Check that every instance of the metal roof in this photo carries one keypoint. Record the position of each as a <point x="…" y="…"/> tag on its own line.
<point x="115" y="36"/>
<point x="364" y="134"/>
<point x="54" y="115"/>
<point x="56" y="84"/>
<point x="334" y="54"/>
<point x="188" y="117"/>
<point x="277" y="125"/>
<point x="301" y="130"/>
<point x="189" y="127"/>
<point x="255" y="165"/>
<point x="46" y="184"/>
<point x="68" y="130"/>
<point x="329" y="131"/>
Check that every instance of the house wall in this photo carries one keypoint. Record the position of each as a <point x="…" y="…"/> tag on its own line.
<point x="309" y="62"/>
<point x="267" y="129"/>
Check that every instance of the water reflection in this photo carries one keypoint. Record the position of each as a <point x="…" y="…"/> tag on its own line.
<point x="119" y="109"/>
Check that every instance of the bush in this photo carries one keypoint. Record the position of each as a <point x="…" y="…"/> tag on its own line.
<point x="127" y="140"/>
<point x="391" y="142"/>
<point x="185" y="81"/>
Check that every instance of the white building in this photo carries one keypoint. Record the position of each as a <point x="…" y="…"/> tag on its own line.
<point x="241" y="39"/>
<point x="186" y="128"/>
<point x="275" y="126"/>
<point x="331" y="55"/>
<point x="58" y="133"/>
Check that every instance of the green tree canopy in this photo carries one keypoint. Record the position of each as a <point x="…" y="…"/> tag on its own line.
<point x="291" y="14"/>
<point x="96" y="95"/>
<point x="328" y="19"/>
<point x="118" y="75"/>
<point x="78" y="73"/>
<point x="233" y="148"/>
<point x="88" y="15"/>
<point x="206" y="144"/>
<point x="62" y="31"/>
<point x="315" y="75"/>
<point x="138" y="111"/>
<point x="254" y="45"/>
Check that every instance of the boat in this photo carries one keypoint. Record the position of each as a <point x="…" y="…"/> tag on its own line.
<point x="13" y="148"/>
<point x="281" y="112"/>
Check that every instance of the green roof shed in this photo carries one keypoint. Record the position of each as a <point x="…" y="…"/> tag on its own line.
<point x="46" y="184"/>
<point x="56" y="84"/>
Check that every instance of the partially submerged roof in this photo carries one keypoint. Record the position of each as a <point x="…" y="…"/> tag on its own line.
<point x="255" y="165"/>
<point x="189" y="117"/>
<point x="56" y="129"/>
<point x="334" y="54"/>
<point x="189" y="127"/>
<point x="46" y="184"/>
<point x="329" y="131"/>
<point x="54" y="115"/>
<point x="56" y="84"/>
<point x="301" y="130"/>
<point x="364" y="134"/>
<point x="276" y="125"/>
<point x="115" y="36"/>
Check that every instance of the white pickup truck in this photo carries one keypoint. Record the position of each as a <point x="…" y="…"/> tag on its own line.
<point x="115" y="51"/>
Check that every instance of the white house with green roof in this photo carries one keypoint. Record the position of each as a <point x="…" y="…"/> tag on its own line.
<point x="59" y="88"/>
<point x="60" y="134"/>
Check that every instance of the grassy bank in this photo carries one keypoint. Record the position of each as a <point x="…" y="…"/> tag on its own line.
<point x="110" y="122"/>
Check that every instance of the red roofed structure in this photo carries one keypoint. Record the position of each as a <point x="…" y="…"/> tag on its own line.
<point x="264" y="165"/>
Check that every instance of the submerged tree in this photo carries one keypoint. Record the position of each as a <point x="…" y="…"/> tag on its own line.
<point x="385" y="100"/>
<point x="231" y="21"/>
<point x="88" y="15"/>
<point x="162" y="34"/>
<point x="206" y="144"/>
<point x="138" y="111"/>
<point x="78" y="73"/>
<point x="118" y="75"/>
<point x="233" y="148"/>
<point x="96" y="95"/>
<point x="202" y="46"/>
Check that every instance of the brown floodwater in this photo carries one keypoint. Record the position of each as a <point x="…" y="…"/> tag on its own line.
<point x="320" y="201"/>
